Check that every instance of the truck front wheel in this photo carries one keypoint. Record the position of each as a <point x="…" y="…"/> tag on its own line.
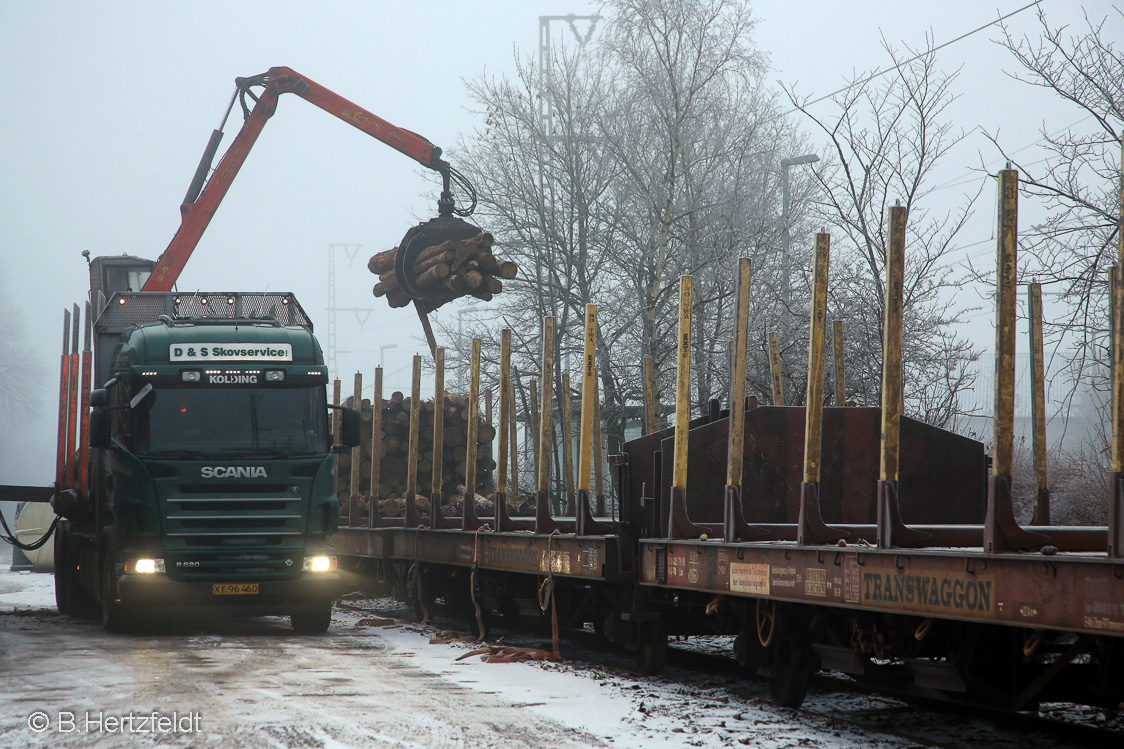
<point x="312" y="620"/>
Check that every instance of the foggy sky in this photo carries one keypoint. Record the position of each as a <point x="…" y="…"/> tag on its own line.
<point x="108" y="105"/>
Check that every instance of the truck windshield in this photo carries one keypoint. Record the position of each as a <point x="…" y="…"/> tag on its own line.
<point x="188" y="421"/>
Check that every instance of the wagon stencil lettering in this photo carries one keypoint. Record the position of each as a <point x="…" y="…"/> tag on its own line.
<point x="930" y="592"/>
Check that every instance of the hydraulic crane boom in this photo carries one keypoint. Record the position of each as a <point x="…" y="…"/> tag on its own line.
<point x="201" y="202"/>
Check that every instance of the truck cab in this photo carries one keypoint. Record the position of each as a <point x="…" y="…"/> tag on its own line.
<point x="210" y="463"/>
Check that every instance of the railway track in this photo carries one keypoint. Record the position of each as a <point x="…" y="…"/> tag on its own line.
<point x="953" y="726"/>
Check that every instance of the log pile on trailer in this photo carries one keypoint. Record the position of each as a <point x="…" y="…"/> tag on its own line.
<point x="393" y="452"/>
<point x="444" y="272"/>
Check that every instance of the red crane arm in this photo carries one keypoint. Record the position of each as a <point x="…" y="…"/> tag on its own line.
<point x="199" y="207"/>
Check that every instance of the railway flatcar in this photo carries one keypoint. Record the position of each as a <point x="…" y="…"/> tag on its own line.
<point x="842" y="538"/>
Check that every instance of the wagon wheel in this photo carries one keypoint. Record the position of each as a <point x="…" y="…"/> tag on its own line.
<point x="651" y="648"/>
<point x="766" y="616"/>
<point x="792" y="664"/>
<point x="786" y="636"/>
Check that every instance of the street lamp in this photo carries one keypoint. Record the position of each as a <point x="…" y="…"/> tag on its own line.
<point x="786" y="236"/>
<point x="382" y="353"/>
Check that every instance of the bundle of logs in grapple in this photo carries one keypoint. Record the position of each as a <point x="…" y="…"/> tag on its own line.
<point x="394" y="458"/>
<point x="445" y="272"/>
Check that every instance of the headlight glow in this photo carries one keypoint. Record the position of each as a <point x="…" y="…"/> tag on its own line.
<point x="147" y="566"/>
<point x="319" y="564"/>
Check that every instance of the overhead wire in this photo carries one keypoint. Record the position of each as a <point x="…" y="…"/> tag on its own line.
<point x="880" y="73"/>
<point x="959" y="181"/>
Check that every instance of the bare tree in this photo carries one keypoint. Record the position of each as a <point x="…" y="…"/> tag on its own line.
<point x="548" y="201"/>
<point x="657" y="165"/>
<point x="687" y="122"/>
<point x="884" y="137"/>
<point x="1078" y="185"/>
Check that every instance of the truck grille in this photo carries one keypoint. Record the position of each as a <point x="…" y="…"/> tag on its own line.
<point x="271" y="564"/>
<point x="228" y="536"/>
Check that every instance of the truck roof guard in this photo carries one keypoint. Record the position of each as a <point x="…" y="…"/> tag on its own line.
<point x="128" y="308"/>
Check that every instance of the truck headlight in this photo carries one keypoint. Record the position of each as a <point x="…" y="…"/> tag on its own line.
<point x="145" y="566"/>
<point x="319" y="564"/>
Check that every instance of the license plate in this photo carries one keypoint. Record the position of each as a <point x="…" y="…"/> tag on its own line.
<point x="234" y="589"/>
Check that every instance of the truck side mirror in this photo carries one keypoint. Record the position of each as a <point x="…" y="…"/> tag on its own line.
<point x="99" y="426"/>
<point x="99" y="398"/>
<point x="351" y="428"/>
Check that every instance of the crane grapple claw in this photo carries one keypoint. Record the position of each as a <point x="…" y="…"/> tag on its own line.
<point x="432" y="232"/>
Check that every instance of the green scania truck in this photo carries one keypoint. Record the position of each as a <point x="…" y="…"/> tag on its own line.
<point x="204" y="476"/>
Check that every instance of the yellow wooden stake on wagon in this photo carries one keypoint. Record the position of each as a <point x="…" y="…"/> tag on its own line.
<point x="682" y="386"/>
<point x="488" y="419"/>
<point x="813" y="424"/>
<point x="356" y="458"/>
<point x="586" y="525"/>
<point x="737" y="381"/>
<point x="1001" y="531"/>
<point x="535" y="429"/>
<point x="1006" y="279"/>
<point x="1038" y="407"/>
<point x="506" y="429"/>
<point x="505" y="406"/>
<point x="544" y="523"/>
<point x="1116" y="295"/>
<point x="411" y="513"/>
<point x="891" y="531"/>
<point x="892" y="349"/>
<point x="542" y="459"/>
<point x="837" y="344"/>
<point x="775" y="370"/>
<point x="811" y="528"/>
<point x="1116" y="477"/>
<point x="734" y="525"/>
<point x="598" y="460"/>
<point x="1111" y="285"/>
<point x="568" y="442"/>
<point x="376" y="451"/>
<point x="437" y="482"/>
<point x="589" y="399"/>
<point x="678" y="524"/>
<point x="514" y="428"/>
<point x="651" y="416"/>
<point x="470" y="520"/>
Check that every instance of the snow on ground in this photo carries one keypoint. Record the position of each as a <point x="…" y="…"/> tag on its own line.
<point x="597" y="705"/>
<point x="624" y="709"/>
<point x="24" y="591"/>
